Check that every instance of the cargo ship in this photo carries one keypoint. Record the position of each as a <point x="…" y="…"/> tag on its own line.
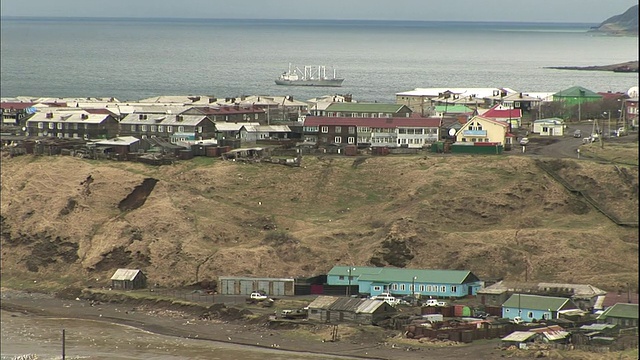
<point x="309" y="76"/>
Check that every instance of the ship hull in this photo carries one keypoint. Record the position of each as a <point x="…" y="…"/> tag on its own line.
<point x="325" y="82"/>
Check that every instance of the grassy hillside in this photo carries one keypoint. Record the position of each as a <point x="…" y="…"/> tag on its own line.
<point x="496" y="216"/>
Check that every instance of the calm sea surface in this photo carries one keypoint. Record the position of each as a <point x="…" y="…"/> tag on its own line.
<point x="134" y="59"/>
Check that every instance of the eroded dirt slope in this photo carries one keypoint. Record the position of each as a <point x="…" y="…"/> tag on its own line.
<point x="196" y="220"/>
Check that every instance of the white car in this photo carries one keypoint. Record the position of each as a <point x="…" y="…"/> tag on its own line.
<point x="258" y="296"/>
<point x="524" y="141"/>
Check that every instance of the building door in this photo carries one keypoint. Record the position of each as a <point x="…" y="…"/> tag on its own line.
<point x="246" y="287"/>
<point x="264" y="286"/>
<point x="278" y="288"/>
<point x="229" y="287"/>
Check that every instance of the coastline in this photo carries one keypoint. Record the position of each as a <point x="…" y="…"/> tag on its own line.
<point x="626" y="67"/>
<point x="244" y="333"/>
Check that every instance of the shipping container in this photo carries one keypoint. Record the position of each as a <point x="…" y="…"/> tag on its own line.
<point x="351" y="150"/>
<point x="185" y="154"/>
<point x="213" y="151"/>
<point x="457" y="310"/>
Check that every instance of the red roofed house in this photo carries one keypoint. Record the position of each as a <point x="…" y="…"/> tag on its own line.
<point x="235" y="113"/>
<point x="411" y="132"/>
<point x="16" y="113"/>
<point x="509" y="115"/>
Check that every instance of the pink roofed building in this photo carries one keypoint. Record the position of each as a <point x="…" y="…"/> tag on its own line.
<point x="511" y="116"/>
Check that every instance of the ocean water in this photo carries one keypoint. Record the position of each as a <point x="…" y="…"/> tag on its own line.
<point x="131" y="59"/>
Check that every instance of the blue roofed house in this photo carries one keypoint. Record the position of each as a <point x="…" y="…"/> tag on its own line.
<point x="418" y="282"/>
<point x="535" y="307"/>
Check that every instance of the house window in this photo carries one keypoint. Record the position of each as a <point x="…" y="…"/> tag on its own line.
<point x="402" y="287"/>
<point x="443" y="288"/>
<point x="59" y="135"/>
<point x="402" y="131"/>
<point x="311" y="129"/>
<point x="352" y="129"/>
<point x="340" y="277"/>
<point x="325" y="129"/>
<point x="394" y="286"/>
<point x="200" y="129"/>
<point x="52" y="125"/>
<point x="180" y="128"/>
<point x="75" y="135"/>
<point x="454" y="289"/>
<point x="160" y="128"/>
<point x="133" y="128"/>
<point x="169" y="129"/>
<point x="40" y="125"/>
<point x="153" y="128"/>
<point x="506" y="310"/>
<point x="338" y="139"/>
<point x="143" y="128"/>
<point x="59" y="126"/>
<point x="530" y="314"/>
<point x="351" y="140"/>
<point x="517" y="104"/>
<point x="377" y="288"/>
<point x="421" y="287"/>
<point x="338" y="129"/>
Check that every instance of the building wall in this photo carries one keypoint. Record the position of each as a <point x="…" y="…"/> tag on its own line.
<point x="245" y="286"/>
<point x="490" y="133"/>
<point x="527" y="315"/>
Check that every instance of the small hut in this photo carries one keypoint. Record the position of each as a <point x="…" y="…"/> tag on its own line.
<point x="128" y="279"/>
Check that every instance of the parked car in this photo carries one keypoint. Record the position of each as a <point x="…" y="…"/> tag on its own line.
<point x="621" y="132"/>
<point x="524" y="141"/>
<point x="577" y="134"/>
<point x="443" y="303"/>
<point x="431" y="302"/>
<point x="517" y="320"/>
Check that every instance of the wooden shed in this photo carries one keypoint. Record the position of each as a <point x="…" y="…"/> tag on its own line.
<point x="333" y="309"/>
<point x="128" y="279"/>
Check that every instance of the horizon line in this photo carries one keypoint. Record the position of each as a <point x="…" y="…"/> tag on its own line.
<point x="9" y="17"/>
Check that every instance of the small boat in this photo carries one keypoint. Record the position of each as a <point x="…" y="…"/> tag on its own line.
<point x="310" y="76"/>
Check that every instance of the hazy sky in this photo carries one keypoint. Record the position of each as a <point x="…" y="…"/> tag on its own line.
<point x="585" y="11"/>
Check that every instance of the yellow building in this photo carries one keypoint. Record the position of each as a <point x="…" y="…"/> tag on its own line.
<point x="482" y="130"/>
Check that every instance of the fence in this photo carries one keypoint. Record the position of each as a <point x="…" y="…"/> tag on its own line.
<point x="586" y="196"/>
<point x="196" y="296"/>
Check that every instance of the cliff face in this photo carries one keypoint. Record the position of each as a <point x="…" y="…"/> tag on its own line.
<point x="623" y="24"/>
<point x="66" y="218"/>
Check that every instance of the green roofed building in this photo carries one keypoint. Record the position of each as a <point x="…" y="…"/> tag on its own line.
<point x="535" y="307"/>
<point x="576" y="95"/>
<point x="452" y="109"/>
<point x="625" y="315"/>
<point x="349" y="109"/>
<point x="418" y="282"/>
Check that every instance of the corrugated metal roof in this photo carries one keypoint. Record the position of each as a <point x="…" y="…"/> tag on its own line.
<point x="70" y="116"/>
<point x="369" y="306"/>
<point x="535" y="302"/>
<point x="383" y="274"/>
<point x="322" y="302"/>
<point x="597" y="327"/>
<point x="122" y="140"/>
<point x="519" y="336"/>
<point x="577" y="290"/>
<point x="364" y="107"/>
<point x="254" y="278"/>
<point x="224" y="126"/>
<point x="555" y="335"/>
<point x="125" y="274"/>
<point x="621" y="310"/>
<point x="346" y="304"/>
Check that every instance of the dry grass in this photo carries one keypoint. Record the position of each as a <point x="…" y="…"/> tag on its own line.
<point x="496" y="216"/>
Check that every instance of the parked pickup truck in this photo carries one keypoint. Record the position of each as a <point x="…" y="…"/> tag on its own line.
<point x="257" y="296"/>
<point x="392" y="300"/>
